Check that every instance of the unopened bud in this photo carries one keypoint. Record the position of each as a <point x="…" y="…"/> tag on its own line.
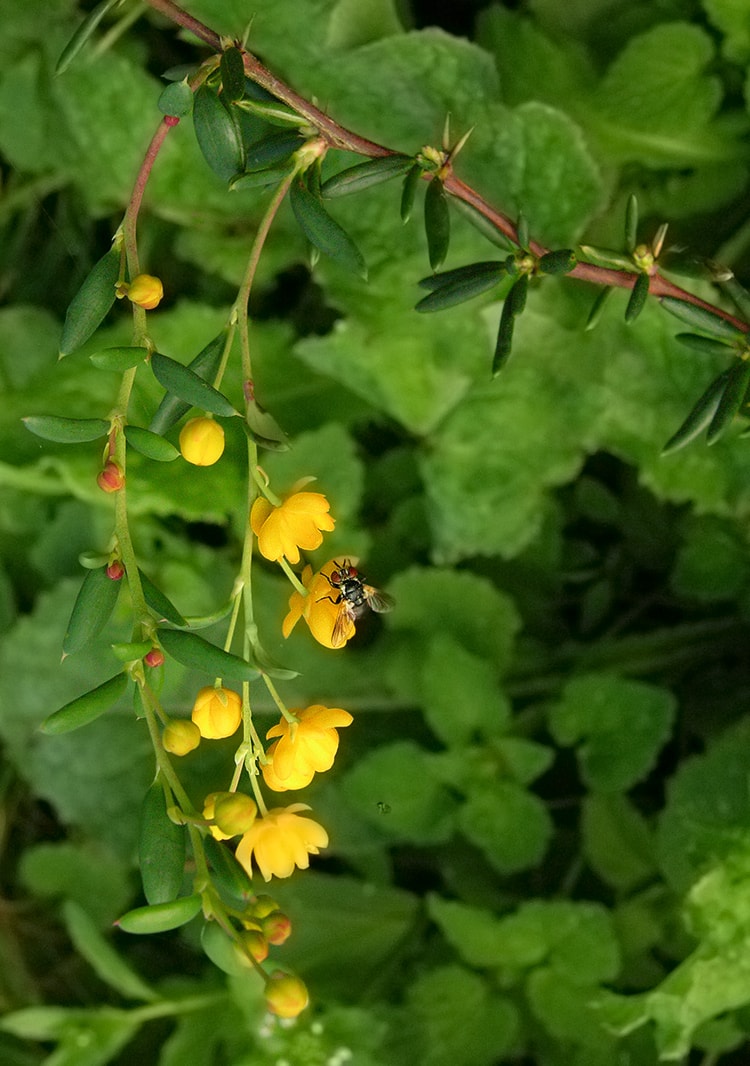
<point x="277" y="927"/>
<point x="286" y="995"/>
<point x="146" y="291"/>
<point x="234" y="812"/>
<point x="202" y="441"/>
<point x="111" y="478"/>
<point x="155" y="658"/>
<point x="254" y="944"/>
<point x="181" y="736"/>
<point x="115" y="570"/>
<point x="263" y="905"/>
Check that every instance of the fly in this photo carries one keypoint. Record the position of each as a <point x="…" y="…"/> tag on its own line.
<point x="354" y="597"/>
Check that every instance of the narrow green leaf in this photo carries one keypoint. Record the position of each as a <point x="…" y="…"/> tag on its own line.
<point x="176" y="99"/>
<point x="222" y="950"/>
<point x="597" y="308"/>
<point x="119" y="359"/>
<point x="191" y="650"/>
<point x="102" y="957"/>
<point x="560" y="261"/>
<point x="606" y="258"/>
<point x="272" y="111"/>
<point x="84" y="32"/>
<point x="161" y="916"/>
<point x="259" y="179"/>
<point x="230" y="877"/>
<point x="39" y="1023"/>
<point x="272" y="150"/>
<point x="205" y="365"/>
<point x="263" y="428"/>
<point x="707" y="345"/>
<point x="731" y="400"/>
<point x="217" y="133"/>
<point x="152" y="445"/>
<point x="699" y="417"/>
<point x="409" y="191"/>
<point x="482" y="224"/>
<point x="437" y="222"/>
<point x="522" y="231"/>
<point x="638" y="297"/>
<point x="66" y="430"/>
<point x="161" y="849"/>
<point x="232" y="73"/>
<point x="323" y="231"/>
<point x="128" y="651"/>
<point x="85" y="708"/>
<point x="460" y="285"/>
<point x="90" y="304"/>
<point x="364" y="175"/>
<point x="94" y="604"/>
<point x="162" y="607"/>
<point x="701" y="318"/>
<point x="184" y="383"/>
<point x="736" y="292"/>
<point x="447" y="278"/>
<point x="631" y="223"/>
<point x="514" y="304"/>
<point x="260" y="658"/>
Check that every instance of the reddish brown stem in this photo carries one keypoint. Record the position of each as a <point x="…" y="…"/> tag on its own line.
<point x="339" y="137"/>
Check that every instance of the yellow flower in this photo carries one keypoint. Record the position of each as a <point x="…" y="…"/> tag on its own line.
<point x="202" y="441"/>
<point x="286" y="995"/>
<point x="280" y="841"/>
<point x="180" y="736"/>
<point x="317" y="607"/>
<point x="231" y="812"/>
<point x="217" y="712"/>
<point x="298" y="522"/>
<point x="304" y="748"/>
<point x="146" y="291"/>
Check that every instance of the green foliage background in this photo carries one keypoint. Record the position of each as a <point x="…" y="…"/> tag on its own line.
<point x="540" y="820"/>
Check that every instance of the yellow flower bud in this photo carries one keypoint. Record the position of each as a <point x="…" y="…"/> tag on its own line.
<point x="217" y="712"/>
<point x="286" y="995"/>
<point x="181" y="736"/>
<point x="277" y="927"/>
<point x="202" y="441"/>
<point x="231" y="812"/>
<point x="146" y="291"/>
<point x="254" y="944"/>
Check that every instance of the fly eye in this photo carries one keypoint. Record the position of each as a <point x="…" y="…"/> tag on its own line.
<point x="351" y="572"/>
<point x="335" y="578"/>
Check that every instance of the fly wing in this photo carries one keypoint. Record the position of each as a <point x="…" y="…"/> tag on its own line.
<point x="340" y="627"/>
<point x="378" y="601"/>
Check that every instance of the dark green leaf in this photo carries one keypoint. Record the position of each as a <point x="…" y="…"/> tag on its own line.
<point x="119" y="359"/>
<point x="437" y="222"/>
<point x="87" y="707"/>
<point x="161" y="916"/>
<point x="94" y="604"/>
<point x="176" y="99"/>
<point x="127" y="651"/>
<point x="217" y="133"/>
<point x="90" y="304"/>
<point x="205" y="364"/>
<point x="66" y="430"/>
<point x="455" y="286"/>
<point x="638" y="298"/>
<point x="259" y="179"/>
<point x="232" y="73"/>
<point x="264" y="429"/>
<point x="707" y="345"/>
<point x="631" y="223"/>
<point x="560" y="261"/>
<point x="731" y="400"/>
<point x="324" y="232"/>
<point x="229" y="876"/>
<point x="184" y="383"/>
<point x="409" y="191"/>
<point x="699" y="417"/>
<point x="522" y="231"/>
<point x="192" y="650"/>
<point x="150" y="444"/>
<point x="272" y="150"/>
<point x="272" y="111"/>
<point x="161" y="849"/>
<point x="701" y="318"/>
<point x="482" y="224"/>
<point x="162" y="607"/>
<point x="364" y="175"/>
<point x="83" y="33"/>
<point x="514" y="304"/>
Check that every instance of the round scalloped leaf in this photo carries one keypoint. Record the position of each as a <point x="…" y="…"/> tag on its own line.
<point x="150" y="444"/>
<point x="364" y="175"/>
<point x="91" y="303"/>
<point x="184" y="383"/>
<point x="217" y="133"/>
<point x="324" y="232"/>
<point x="192" y="650"/>
<point x="161" y="916"/>
<point x="66" y="430"/>
<point x="94" y="604"/>
<point x="161" y="849"/>
<point x="86" y="708"/>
